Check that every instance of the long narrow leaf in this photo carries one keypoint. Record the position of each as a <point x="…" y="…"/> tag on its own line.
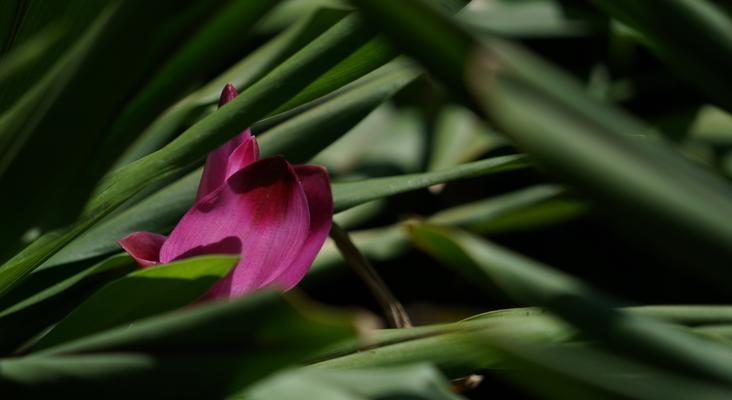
<point x="193" y="144"/>
<point x="69" y="97"/>
<point x="533" y="283"/>
<point x="156" y="290"/>
<point x="298" y="138"/>
<point x="29" y="317"/>
<point x="693" y="37"/>
<point x="204" y="351"/>
<point x="670" y="201"/>
<point x="350" y="194"/>
<point x="242" y="75"/>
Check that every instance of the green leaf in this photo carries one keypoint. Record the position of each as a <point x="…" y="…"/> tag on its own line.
<point x="206" y="351"/>
<point x="68" y="96"/>
<point x="23" y="20"/>
<point x="422" y="31"/>
<point x="303" y="136"/>
<point x="589" y="310"/>
<point x="191" y="146"/>
<point x="417" y="382"/>
<point x="143" y="293"/>
<point x="526" y="209"/>
<point x="720" y="332"/>
<point x="454" y="348"/>
<point x="363" y="60"/>
<point x="571" y="371"/>
<point x="693" y="37"/>
<point x="479" y="342"/>
<point x="22" y="57"/>
<point x="527" y="20"/>
<point x="205" y="52"/>
<point x="289" y="11"/>
<point x="522" y="210"/>
<point x="349" y="194"/>
<point x="28" y="317"/>
<point x="680" y="314"/>
<point x="460" y="137"/>
<point x="242" y="75"/>
<point x="527" y="345"/>
<point x="692" y="315"/>
<point x="670" y="202"/>
<point x="392" y="137"/>
<point x="158" y="212"/>
<point x="298" y="138"/>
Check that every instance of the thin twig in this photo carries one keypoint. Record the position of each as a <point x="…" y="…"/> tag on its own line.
<point x="392" y="307"/>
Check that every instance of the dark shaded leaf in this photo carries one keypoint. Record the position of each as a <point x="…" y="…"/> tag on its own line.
<point x="141" y="294"/>
<point x="206" y="351"/>
<point x="27" y="318"/>
<point x="590" y="311"/>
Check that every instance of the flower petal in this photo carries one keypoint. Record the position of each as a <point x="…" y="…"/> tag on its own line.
<point x="221" y="163"/>
<point x="263" y="208"/>
<point x="246" y="153"/>
<point x="144" y="247"/>
<point x="228" y="94"/>
<point x="316" y="184"/>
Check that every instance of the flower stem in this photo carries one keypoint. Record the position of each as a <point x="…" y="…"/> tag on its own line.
<point x="393" y="309"/>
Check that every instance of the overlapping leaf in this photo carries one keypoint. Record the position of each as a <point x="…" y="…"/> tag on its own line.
<point x="600" y="149"/>
<point x="209" y="350"/>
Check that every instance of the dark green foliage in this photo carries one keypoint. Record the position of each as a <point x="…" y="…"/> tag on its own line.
<point x="544" y="184"/>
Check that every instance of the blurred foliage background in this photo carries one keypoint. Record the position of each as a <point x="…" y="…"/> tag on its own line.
<point x="543" y="184"/>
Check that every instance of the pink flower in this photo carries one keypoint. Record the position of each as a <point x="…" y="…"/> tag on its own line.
<point x="274" y="214"/>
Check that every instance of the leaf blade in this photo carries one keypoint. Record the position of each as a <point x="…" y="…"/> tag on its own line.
<point x="156" y="290"/>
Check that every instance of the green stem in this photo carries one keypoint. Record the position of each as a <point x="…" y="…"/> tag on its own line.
<point x="393" y="309"/>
